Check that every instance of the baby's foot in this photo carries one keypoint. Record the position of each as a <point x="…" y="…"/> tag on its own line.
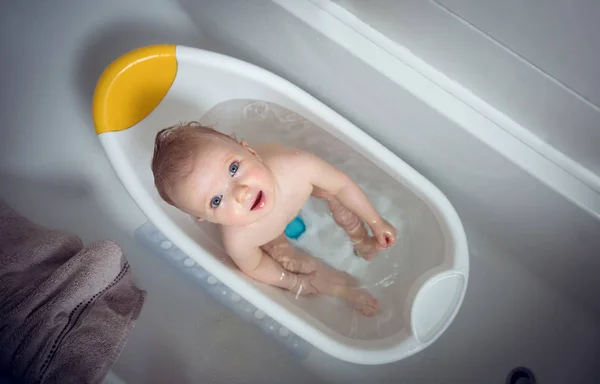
<point x="366" y="248"/>
<point x="363" y="302"/>
<point x="334" y="277"/>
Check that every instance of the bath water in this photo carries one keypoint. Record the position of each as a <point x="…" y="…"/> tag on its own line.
<point x="391" y="274"/>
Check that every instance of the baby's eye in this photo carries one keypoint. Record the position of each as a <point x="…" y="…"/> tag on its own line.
<point x="233" y="168"/>
<point x="215" y="201"/>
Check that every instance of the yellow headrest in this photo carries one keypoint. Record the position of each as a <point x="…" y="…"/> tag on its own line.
<point x="132" y="87"/>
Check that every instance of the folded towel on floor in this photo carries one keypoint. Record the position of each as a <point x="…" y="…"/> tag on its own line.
<point x="65" y="311"/>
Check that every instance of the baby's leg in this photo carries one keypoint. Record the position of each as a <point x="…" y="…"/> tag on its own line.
<point x="329" y="281"/>
<point x="364" y="245"/>
<point x="282" y="251"/>
<point x="315" y="277"/>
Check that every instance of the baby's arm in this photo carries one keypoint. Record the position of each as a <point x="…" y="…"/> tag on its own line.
<point x="333" y="181"/>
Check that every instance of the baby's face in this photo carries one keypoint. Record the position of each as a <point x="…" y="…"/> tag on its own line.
<point x="228" y="185"/>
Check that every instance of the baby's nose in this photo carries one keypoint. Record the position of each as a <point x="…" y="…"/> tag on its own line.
<point x="240" y="193"/>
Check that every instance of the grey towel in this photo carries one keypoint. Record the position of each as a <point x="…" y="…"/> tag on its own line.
<point x="65" y="311"/>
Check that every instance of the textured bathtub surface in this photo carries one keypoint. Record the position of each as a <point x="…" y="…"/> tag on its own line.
<point x="390" y="276"/>
<point x="153" y="239"/>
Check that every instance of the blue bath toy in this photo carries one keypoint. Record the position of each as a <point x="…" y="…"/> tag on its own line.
<point x="295" y="228"/>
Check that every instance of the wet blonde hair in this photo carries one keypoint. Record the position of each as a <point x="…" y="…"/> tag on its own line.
<point x="174" y="149"/>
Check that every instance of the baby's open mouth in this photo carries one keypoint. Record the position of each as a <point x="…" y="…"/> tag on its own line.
<point x="259" y="202"/>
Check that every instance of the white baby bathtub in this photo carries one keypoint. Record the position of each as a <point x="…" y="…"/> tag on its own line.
<point x="157" y="86"/>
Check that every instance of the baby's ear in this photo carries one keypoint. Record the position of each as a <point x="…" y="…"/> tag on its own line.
<point x="252" y="151"/>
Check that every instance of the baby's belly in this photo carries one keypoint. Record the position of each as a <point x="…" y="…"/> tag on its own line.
<point x="276" y="227"/>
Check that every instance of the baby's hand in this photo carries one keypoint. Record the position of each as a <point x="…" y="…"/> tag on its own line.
<point x="384" y="233"/>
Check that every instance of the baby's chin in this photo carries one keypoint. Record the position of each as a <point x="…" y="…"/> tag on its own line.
<point x="245" y="220"/>
<point x="240" y="222"/>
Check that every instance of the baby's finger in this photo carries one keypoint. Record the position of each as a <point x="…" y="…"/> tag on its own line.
<point x="382" y="240"/>
<point x="390" y="238"/>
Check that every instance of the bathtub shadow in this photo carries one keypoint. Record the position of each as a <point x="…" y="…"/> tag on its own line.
<point x="43" y="197"/>
<point x="103" y="46"/>
<point x="62" y="201"/>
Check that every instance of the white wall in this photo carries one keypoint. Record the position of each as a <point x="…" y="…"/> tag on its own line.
<point x="536" y="60"/>
<point x="559" y="37"/>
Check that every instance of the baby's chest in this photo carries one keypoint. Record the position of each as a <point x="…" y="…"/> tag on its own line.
<point x="292" y="201"/>
<point x="283" y="213"/>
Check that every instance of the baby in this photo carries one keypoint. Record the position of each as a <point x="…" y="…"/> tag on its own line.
<point x="254" y="193"/>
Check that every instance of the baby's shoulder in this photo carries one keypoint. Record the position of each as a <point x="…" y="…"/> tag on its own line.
<point x="237" y="237"/>
<point x="278" y="154"/>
